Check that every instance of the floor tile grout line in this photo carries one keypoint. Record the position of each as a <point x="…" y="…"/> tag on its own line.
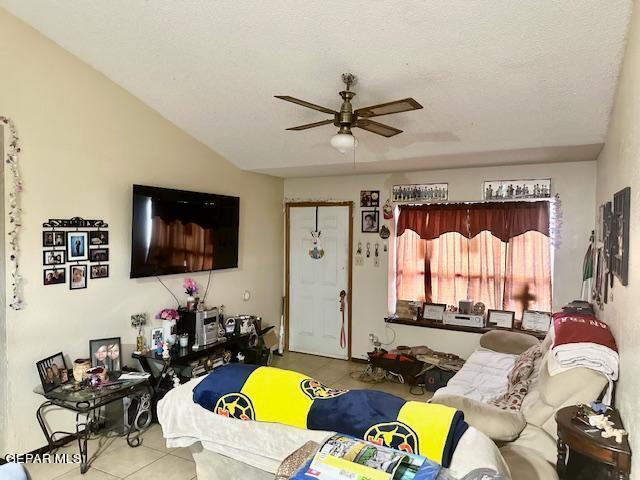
<point x="148" y="464"/>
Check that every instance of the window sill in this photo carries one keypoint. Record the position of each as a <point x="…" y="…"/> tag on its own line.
<point x="458" y="328"/>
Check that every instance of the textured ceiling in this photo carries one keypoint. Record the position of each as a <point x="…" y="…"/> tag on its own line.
<point x="497" y="78"/>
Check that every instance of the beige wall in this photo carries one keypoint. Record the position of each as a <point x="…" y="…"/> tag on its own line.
<point x="85" y="142"/>
<point x="619" y="167"/>
<point x="574" y="181"/>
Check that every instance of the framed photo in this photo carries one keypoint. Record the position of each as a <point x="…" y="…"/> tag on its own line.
<point x="99" y="271"/>
<point x="536" y="320"/>
<point x="370" y="221"/>
<point x="105" y="352"/>
<point x="77" y="277"/>
<point x="52" y="238"/>
<point x="514" y="189"/>
<point x="54" y="276"/>
<point x="423" y="192"/>
<point x="501" y="318"/>
<point x="369" y="198"/>
<point x="98" y="238"/>
<point x="53" y="257"/>
<point x="157" y="337"/>
<point x="433" y="311"/>
<point x="99" y="255"/>
<point x="77" y="246"/>
<point x="52" y="371"/>
<point x="620" y="235"/>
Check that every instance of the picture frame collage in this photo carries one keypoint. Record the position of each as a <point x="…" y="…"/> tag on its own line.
<point x="70" y="242"/>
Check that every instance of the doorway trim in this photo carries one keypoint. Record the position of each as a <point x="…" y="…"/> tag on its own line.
<point x="288" y="207"/>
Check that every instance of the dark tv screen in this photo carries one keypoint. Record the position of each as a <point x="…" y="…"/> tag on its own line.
<point x="175" y="231"/>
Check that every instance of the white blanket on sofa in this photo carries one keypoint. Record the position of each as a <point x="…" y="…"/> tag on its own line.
<point x="483" y="376"/>
<point x="266" y="445"/>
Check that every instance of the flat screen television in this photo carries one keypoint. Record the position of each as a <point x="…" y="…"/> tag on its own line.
<point x="175" y="231"/>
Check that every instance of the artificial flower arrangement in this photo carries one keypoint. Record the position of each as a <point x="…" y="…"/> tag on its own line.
<point x="168" y="314"/>
<point x="190" y="286"/>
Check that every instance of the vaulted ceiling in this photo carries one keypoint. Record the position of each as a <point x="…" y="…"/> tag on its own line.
<point x="501" y="81"/>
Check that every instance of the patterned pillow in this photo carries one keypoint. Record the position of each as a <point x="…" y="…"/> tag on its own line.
<point x="523" y="368"/>
<point x="512" y="400"/>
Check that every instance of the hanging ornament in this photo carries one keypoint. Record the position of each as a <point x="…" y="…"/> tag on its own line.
<point x="368" y="249"/>
<point x="14" y="213"/>
<point x="387" y="210"/>
<point x="384" y="232"/>
<point x="376" y="258"/>
<point x="359" y="260"/>
<point x="316" y="251"/>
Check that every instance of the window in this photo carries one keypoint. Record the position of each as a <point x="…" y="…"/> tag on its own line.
<point x="495" y="253"/>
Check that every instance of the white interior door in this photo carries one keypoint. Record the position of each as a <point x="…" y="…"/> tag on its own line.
<point x="315" y="320"/>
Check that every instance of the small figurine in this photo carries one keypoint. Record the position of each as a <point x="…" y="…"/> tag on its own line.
<point x="165" y="351"/>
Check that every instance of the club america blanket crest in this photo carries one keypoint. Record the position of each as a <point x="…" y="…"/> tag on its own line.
<point x="267" y="394"/>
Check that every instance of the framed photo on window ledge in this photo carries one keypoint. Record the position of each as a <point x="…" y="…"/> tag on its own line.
<point x="500" y="318"/>
<point x="536" y="320"/>
<point x="433" y="311"/>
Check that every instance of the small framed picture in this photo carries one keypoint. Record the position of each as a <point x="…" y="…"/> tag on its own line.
<point x="433" y="311"/>
<point x="53" y="257"/>
<point x="370" y="221"/>
<point x="157" y="337"/>
<point x="99" y="255"/>
<point x="536" y="321"/>
<point x="54" y="276"/>
<point x="501" y="318"/>
<point x="99" y="271"/>
<point x="369" y="198"/>
<point x="105" y="352"/>
<point x="52" y="371"/>
<point x="514" y="189"/>
<point x="77" y="246"/>
<point x="77" y="277"/>
<point x="99" y="238"/>
<point x="53" y="239"/>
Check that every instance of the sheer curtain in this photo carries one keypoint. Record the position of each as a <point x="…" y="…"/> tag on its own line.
<point x="498" y="254"/>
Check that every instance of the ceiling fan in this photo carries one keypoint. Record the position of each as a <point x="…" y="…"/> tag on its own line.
<point x="348" y="118"/>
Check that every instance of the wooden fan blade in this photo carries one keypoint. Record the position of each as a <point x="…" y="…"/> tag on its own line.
<point x="379" y="128"/>
<point x="311" y="125"/>
<point x="306" y="104"/>
<point x="404" y="105"/>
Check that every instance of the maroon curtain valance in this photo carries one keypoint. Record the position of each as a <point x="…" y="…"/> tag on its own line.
<point x="504" y="220"/>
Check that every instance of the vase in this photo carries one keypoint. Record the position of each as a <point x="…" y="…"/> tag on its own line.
<point x="169" y="331"/>
<point x="139" y="343"/>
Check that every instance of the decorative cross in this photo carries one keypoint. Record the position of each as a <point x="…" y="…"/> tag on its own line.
<point x="525" y="298"/>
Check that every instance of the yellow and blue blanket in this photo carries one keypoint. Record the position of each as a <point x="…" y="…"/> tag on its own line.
<point x="266" y="394"/>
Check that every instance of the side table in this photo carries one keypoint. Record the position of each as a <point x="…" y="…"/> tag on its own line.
<point x="86" y="403"/>
<point x="574" y="435"/>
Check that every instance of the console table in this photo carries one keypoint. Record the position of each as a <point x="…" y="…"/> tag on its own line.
<point x="458" y="328"/>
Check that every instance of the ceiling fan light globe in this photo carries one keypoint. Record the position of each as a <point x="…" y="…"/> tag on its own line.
<point x="343" y="142"/>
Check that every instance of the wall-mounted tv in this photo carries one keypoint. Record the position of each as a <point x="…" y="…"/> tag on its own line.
<point x="175" y="231"/>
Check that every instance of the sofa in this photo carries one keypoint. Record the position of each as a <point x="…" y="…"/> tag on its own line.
<point x="526" y="438"/>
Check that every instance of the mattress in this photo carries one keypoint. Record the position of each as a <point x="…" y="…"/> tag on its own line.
<point x="483" y="376"/>
<point x="265" y="445"/>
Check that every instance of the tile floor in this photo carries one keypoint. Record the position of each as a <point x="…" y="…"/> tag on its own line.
<point x="113" y="459"/>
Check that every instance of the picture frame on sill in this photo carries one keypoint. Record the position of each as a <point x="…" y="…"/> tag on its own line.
<point x="53" y="372"/>
<point x="54" y="276"/>
<point x="53" y="257"/>
<point x="77" y="277"/>
<point x="98" y="254"/>
<point x="99" y="238"/>
<point x="501" y="318"/>
<point x="99" y="271"/>
<point x="536" y="321"/>
<point x="77" y="246"/>
<point x="620" y="235"/>
<point x="433" y="311"/>
<point x="370" y="221"/>
<point x="52" y="238"/>
<point x="105" y="352"/>
<point x="369" y="198"/>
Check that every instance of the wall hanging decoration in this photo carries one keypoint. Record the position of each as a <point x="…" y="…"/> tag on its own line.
<point x="387" y="210"/>
<point x="359" y="260"/>
<point x="384" y="232"/>
<point x="376" y="255"/>
<point x="516" y="189"/>
<point x="72" y="241"/>
<point x="370" y="221"/>
<point x="369" y="198"/>
<point x="316" y="252"/>
<point x="620" y="235"/>
<point x="555" y="220"/>
<point x="14" y="213"/>
<point x="423" y="192"/>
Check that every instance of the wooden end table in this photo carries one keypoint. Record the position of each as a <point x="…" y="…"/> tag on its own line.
<point x="578" y="437"/>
